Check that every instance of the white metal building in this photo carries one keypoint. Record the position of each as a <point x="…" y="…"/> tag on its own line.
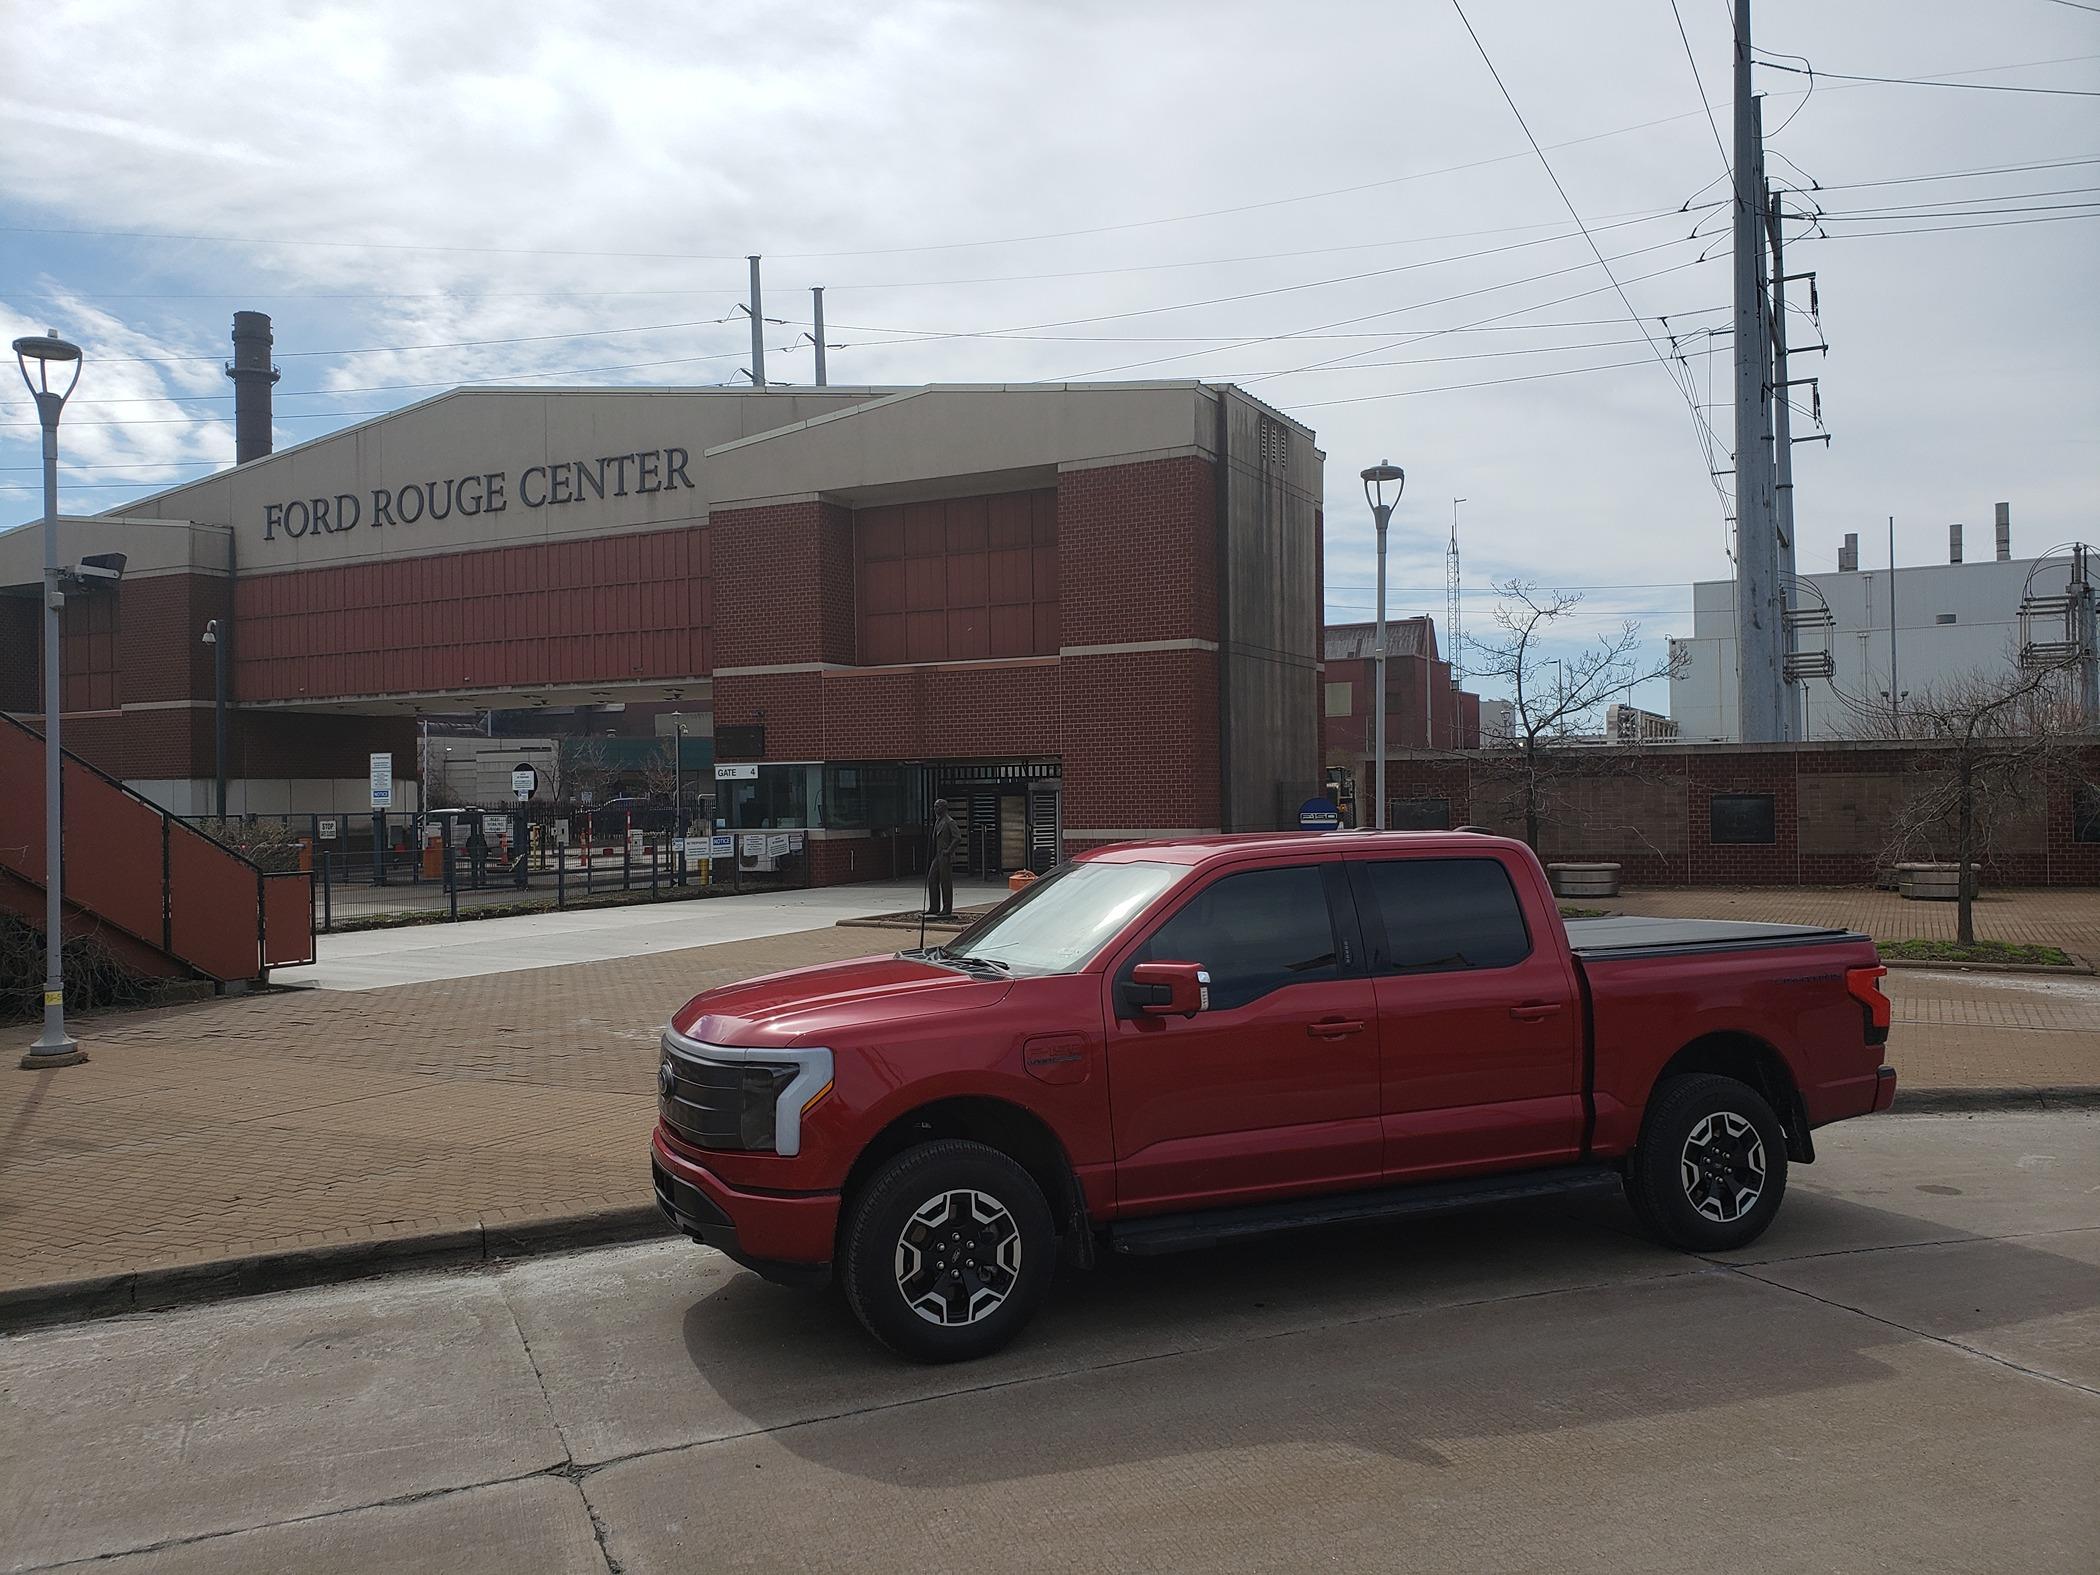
<point x="1949" y="620"/>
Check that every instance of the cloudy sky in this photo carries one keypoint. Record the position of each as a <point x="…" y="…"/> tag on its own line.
<point x="1329" y="203"/>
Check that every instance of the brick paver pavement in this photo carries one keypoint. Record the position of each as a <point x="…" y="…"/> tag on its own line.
<point x="291" y="1119"/>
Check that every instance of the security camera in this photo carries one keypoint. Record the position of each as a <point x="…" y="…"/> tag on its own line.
<point x="101" y="568"/>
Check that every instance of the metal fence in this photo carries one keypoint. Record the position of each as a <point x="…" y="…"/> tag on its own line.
<point x="373" y="863"/>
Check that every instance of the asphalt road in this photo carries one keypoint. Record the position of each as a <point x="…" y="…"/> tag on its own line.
<point x="1904" y="1375"/>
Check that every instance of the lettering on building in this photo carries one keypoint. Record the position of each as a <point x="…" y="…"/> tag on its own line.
<point x="489" y="492"/>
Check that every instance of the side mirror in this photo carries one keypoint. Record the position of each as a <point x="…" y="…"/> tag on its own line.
<point x="1169" y="989"/>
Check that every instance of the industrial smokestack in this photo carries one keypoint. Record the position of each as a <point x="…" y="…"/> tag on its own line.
<point x="2004" y="531"/>
<point x="1848" y="555"/>
<point x="252" y="376"/>
<point x="1954" y="544"/>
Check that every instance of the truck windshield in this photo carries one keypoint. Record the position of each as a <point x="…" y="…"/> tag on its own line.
<point x="1058" y="924"/>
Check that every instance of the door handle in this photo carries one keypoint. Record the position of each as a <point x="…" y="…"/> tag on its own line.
<point x="1535" y="1011"/>
<point x="1335" y="1028"/>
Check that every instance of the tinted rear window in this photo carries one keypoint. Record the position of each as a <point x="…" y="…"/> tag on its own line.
<point x="1447" y="914"/>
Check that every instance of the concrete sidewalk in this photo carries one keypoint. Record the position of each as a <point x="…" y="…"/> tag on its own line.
<point x="503" y="1097"/>
<point x="377" y="959"/>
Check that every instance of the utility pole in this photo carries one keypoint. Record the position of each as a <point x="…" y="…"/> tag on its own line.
<point x="758" y="331"/>
<point x="1760" y="680"/>
<point x="1451" y="614"/>
<point x="1895" y="690"/>
<point x="816" y="295"/>
<point x="1783" y="468"/>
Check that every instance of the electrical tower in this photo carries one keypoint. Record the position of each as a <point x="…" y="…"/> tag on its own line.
<point x="1451" y="610"/>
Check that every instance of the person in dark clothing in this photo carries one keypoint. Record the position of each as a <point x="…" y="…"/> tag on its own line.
<point x="477" y="853"/>
<point x="940" y="872"/>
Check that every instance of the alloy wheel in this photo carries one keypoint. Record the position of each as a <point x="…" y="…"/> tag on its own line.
<point x="1723" y="1167"/>
<point x="958" y="1258"/>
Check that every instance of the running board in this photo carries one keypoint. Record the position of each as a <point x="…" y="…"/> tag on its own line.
<point x="1182" y="1232"/>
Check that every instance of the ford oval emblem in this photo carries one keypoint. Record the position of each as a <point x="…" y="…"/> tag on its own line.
<point x="666" y="1079"/>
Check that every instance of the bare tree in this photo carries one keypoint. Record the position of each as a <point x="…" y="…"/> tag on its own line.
<point x="1545" y="709"/>
<point x="580" y="767"/>
<point x="1990" y="745"/>
<point x="659" y="769"/>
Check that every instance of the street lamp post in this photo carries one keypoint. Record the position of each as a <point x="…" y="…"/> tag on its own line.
<point x="1376" y="480"/>
<point x="53" y="1047"/>
<point x="678" y="775"/>
<point x="218" y="683"/>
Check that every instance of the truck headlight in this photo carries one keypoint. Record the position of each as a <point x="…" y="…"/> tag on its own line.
<point x="728" y="1097"/>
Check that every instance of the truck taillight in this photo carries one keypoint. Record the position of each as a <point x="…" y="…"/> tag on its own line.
<point x="1865" y="987"/>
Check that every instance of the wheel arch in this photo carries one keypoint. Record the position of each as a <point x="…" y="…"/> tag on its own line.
<point x="1748" y="1059"/>
<point x="1015" y="1131"/>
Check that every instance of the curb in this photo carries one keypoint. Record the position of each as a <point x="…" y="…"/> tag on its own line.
<point x="2077" y="967"/>
<point x="253" y="1274"/>
<point x="1970" y="1101"/>
<point x="154" y="1290"/>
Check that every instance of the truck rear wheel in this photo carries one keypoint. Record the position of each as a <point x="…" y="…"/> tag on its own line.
<point x="1710" y="1169"/>
<point x="949" y="1250"/>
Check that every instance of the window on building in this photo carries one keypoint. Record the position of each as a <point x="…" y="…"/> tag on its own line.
<point x="1341" y="699"/>
<point x="2085" y="813"/>
<point x="1742" y="819"/>
<point x="1943" y="618"/>
<point x="865" y="796"/>
<point x="780" y="797"/>
<point x="1418" y="814"/>
<point x="1256" y="933"/>
<point x="1444" y="915"/>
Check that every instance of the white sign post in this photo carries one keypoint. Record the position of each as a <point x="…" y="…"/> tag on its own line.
<point x="382" y="781"/>
<point x="524" y="781"/>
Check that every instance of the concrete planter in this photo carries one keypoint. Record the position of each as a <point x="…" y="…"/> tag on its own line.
<point x="1584" y="880"/>
<point x="1933" y="882"/>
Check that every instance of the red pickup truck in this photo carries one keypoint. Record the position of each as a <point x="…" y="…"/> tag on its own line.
<point x="1166" y="1045"/>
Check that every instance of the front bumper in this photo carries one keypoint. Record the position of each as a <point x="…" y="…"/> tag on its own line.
<point x="783" y="1236"/>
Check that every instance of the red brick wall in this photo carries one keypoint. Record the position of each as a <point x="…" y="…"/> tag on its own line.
<point x="21" y="653"/>
<point x="615" y="608"/>
<point x="1651" y="813"/>
<point x="791" y="569"/>
<point x="1141" y="740"/>
<point x="957" y="579"/>
<point x="1137" y="552"/>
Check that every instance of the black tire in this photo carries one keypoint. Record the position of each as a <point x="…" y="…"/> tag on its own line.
<point x="1710" y="1169"/>
<point x="961" y="1287"/>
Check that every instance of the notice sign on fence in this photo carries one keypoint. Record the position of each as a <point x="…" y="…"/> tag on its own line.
<point x="382" y="781"/>
<point x="325" y="828"/>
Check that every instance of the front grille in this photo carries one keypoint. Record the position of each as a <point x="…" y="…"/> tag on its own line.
<point x="722" y="1104"/>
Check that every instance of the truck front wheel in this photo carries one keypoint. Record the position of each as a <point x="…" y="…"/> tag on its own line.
<point x="1711" y="1166"/>
<point x="948" y="1252"/>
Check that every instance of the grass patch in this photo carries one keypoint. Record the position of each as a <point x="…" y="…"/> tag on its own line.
<point x="1569" y="911"/>
<point x="1976" y="952"/>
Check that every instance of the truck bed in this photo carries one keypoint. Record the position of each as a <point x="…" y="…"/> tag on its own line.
<point x="1626" y="936"/>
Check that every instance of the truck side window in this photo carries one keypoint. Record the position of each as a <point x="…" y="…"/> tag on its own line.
<point x="1255" y="932"/>
<point x="1442" y="915"/>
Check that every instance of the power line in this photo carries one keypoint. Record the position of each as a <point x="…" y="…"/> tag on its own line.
<point x="1944" y="229"/>
<point x="1685" y="393"/>
<point x="1979" y="87"/>
<point x="1727" y="169"/>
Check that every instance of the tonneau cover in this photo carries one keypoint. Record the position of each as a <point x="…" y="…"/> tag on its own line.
<point x="1613" y="937"/>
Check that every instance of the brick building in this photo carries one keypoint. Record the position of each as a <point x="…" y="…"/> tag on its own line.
<point x="1423" y="709"/>
<point x="1083" y="613"/>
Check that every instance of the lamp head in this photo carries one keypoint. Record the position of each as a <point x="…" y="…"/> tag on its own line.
<point x="46" y="350"/>
<point x="1380" y="476"/>
<point x="211" y="632"/>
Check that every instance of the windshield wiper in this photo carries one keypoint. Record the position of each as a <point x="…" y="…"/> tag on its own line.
<point x="962" y="962"/>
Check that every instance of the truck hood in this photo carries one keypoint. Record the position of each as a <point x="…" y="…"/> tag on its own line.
<point x="822" y="1004"/>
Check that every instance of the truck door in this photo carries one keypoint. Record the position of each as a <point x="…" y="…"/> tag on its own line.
<point x="1480" y="1022"/>
<point x="1274" y="1088"/>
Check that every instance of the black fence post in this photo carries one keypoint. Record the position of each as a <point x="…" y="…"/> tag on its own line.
<point x="451" y="883"/>
<point x="561" y="877"/>
<point x="652" y="872"/>
<point x="327" y="894"/>
<point x="590" y="871"/>
<point x="379" y="847"/>
<point x="626" y="862"/>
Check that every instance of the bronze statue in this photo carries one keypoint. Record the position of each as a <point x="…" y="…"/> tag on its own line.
<point x="940" y="870"/>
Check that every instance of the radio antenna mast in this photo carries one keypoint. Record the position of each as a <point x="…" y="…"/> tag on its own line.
<point x="1451" y="623"/>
